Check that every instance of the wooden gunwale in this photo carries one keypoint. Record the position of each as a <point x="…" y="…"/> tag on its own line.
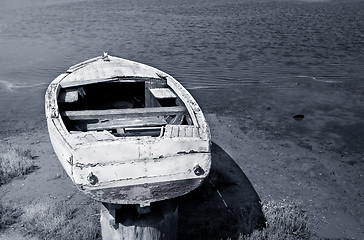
<point x="131" y="79"/>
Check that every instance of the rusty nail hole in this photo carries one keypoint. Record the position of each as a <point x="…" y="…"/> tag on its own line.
<point x="92" y="179"/>
<point x="198" y="170"/>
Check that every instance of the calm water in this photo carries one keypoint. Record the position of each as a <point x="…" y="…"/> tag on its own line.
<point x="227" y="53"/>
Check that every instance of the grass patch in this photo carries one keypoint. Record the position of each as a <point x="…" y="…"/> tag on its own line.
<point x="14" y="162"/>
<point x="285" y="220"/>
<point x="62" y="221"/>
<point x="8" y="216"/>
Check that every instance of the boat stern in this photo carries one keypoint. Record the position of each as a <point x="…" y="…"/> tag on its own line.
<point x="141" y="171"/>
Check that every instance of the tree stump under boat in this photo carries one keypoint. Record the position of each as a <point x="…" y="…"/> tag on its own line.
<point x="156" y="222"/>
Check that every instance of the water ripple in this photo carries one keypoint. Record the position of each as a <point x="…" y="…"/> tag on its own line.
<point x="10" y="87"/>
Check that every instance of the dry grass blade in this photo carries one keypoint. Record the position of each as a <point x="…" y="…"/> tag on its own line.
<point x="61" y="221"/>
<point x="285" y="220"/>
<point x="8" y="216"/>
<point x="13" y="163"/>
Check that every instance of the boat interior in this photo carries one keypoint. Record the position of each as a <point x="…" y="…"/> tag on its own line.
<point x="125" y="107"/>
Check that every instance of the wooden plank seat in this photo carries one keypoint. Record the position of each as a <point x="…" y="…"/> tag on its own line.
<point x="162" y="93"/>
<point x="142" y="122"/>
<point x="124" y="113"/>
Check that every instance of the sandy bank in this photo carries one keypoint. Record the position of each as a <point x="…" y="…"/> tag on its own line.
<point x="325" y="183"/>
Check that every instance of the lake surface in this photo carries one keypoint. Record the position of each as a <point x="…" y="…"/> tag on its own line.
<point x="235" y="56"/>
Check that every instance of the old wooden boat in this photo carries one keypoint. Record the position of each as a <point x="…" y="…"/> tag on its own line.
<point x="127" y="133"/>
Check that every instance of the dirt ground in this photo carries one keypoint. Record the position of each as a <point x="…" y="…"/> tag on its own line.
<point x="327" y="183"/>
<point x="250" y="164"/>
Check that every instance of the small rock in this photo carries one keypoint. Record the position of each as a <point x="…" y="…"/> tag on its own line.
<point x="298" y="117"/>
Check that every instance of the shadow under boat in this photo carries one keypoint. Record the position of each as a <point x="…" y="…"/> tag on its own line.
<point x="224" y="206"/>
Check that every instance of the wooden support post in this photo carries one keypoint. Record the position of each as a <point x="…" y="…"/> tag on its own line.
<point x="157" y="222"/>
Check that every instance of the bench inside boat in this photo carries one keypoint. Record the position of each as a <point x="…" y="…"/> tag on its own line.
<point x="126" y="107"/>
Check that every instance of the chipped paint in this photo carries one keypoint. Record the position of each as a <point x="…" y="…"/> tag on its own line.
<point x="130" y="170"/>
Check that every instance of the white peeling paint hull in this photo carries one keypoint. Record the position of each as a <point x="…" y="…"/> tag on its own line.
<point x="136" y="169"/>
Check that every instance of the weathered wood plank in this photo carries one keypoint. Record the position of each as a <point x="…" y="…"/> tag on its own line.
<point x="175" y="131"/>
<point x="189" y="131"/>
<point x="142" y="131"/>
<point x="168" y="131"/>
<point x="150" y="100"/>
<point x="162" y="93"/>
<point x="82" y="64"/>
<point x="196" y="132"/>
<point x="81" y="82"/>
<point x="182" y="131"/>
<point x="123" y="123"/>
<point x="120" y="113"/>
<point x="158" y="222"/>
<point x="177" y="120"/>
<point x="188" y="119"/>
<point x="68" y="96"/>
